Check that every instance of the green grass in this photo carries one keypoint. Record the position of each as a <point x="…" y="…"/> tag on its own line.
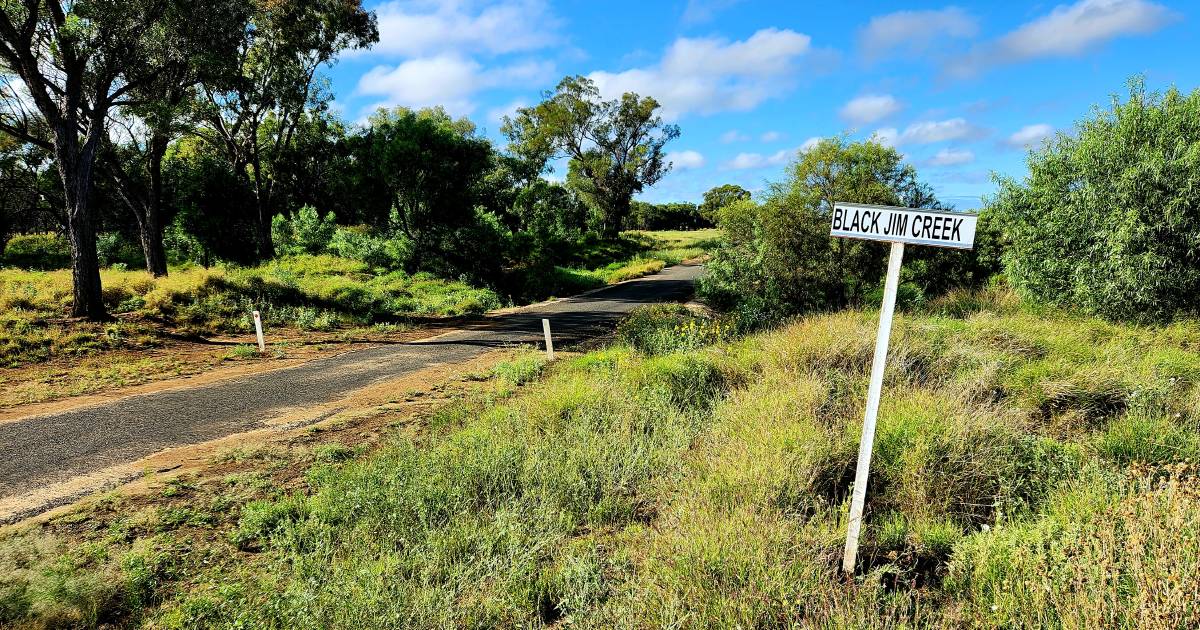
<point x="315" y="293"/>
<point x="1030" y="470"/>
<point x="306" y="292"/>
<point x="635" y="254"/>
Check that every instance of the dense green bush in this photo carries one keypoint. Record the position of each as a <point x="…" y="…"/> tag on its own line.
<point x="305" y="233"/>
<point x="779" y="259"/>
<point x="116" y="249"/>
<point x="667" y="328"/>
<point x="38" y="251"/>
<point x="1108" y="220"/>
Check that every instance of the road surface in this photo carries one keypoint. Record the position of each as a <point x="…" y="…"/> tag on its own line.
<point x="38" y="451"/>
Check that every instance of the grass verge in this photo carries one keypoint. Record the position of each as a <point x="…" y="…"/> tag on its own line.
<point x="1031" y="470"/>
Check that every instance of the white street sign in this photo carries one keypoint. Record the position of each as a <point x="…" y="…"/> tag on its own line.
<point x="899" y="226"/>
<point x="904" y="225"/>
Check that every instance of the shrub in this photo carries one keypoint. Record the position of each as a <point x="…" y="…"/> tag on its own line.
<point x="305" y="233"/>
<point x="377" y="250"/>
<point x="1086" y="231"/>
<point x="116" y="250"/>
<point x="779" y="259"/>
<point x="38" y="251"/>
<point x="665" y="328"/>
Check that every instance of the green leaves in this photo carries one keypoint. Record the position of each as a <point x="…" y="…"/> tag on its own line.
<point x="615" y="147"/>
<point x="1108" y="220"/>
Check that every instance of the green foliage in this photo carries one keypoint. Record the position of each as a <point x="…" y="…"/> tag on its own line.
<point x="719" y="197"/>
<point x="667" y="328"/>
<point x="1107" y="219"/>
<point x="625" y="153"/>
<point x="666" y="216"/>
<point x="115" y="249"/>
<point x="707" y="488"/>
<point x="305" y="233"/>
<point x="430" y="171"/>
<point x="43" y="251"/>
<point x="780" y="260"/>
<point x="521" y="370"/>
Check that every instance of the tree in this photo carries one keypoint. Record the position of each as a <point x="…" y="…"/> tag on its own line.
<point x="429" y="170"/>
<point x="719" y="197"/>
<point x="252" y="115"/>
<point x="160" y="112"/>
<point x="780" y="259"/>
<point x="1108" y="219"/>
<point x="665" y="216"/>
<point x="68" y="64"/>
<point x="615" y="147"/>
<point x="30" y="197"/>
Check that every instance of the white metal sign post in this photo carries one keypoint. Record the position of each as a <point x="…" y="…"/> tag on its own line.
<point x="897" y="226"/>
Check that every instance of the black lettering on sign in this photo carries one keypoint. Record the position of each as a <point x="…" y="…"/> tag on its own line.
<point x="837" y="218"/>
<point x="874" y="222"/>
<point x="954" y="231"/>
<point x="937" y="228"/>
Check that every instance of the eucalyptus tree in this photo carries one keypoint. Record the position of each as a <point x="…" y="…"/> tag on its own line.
<point x="720" y="196"/>
<point x="615" y="147"/>
<point x="252" y="113"/>
<point x="66" y="64"/>
<point x="161" y="110"/>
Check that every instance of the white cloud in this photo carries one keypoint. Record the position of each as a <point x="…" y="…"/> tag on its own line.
<point x="744" y="161"/>
<point x="1068" y="30"/>
<point x="699" y="11"/>
<point x="420" y="28"/>
<point x="931" y="131"/>
<point x="496" y="115"/>
<point x="446" y="80"/>
<point x="685" y="160"/>
<point x="1030" y="134"/>
<point x="887" y="136"/>
<point x="928" y="132"/>
<point x="771" y="136"/>
<point x="914" y="32"/>
<point x="870" y="108"/>
<point x="810" y="143"/>
<point x="733" y="135"/>
<point x="708" y="75"/>
<point x="952" y="157"/>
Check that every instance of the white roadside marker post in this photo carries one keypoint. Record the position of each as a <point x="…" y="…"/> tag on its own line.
<point x="897" y="226"/>
<point x="549" y="340"/>
<point x="262" y="346"/>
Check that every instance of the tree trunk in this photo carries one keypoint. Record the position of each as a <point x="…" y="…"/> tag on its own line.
<point x="615" y="216"/>
<point x="266" y="246"/>
<point x="262" y="206"/>
<point x="75" y="164"/>
<point x="85" y="266"/>
<point x="151" y="229"/>
<point x="152" y="244"/>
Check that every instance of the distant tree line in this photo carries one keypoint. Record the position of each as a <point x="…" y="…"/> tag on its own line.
<point x="189" y="130"/>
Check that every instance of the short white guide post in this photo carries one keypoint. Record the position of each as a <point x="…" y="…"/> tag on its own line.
<point x="549" y="340"/>
<point x="262" y="346"/>
<point x="897" y="226"/>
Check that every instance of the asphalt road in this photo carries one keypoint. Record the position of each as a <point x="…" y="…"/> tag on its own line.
<point x="41" y="450"/>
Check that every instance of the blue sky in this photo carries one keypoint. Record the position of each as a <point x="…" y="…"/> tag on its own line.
<point x="960" y="89"/>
